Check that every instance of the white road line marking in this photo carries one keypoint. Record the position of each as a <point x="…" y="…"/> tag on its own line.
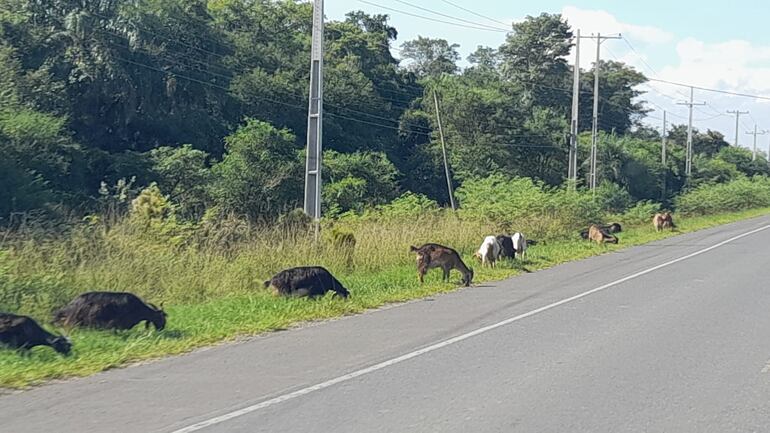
<point x="385" y="364"/>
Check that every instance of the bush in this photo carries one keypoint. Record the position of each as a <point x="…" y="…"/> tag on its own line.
<point x="378" y="175"/>
<point x="500" y="199"/>
<point x="611" y="197"/>
<point x="737" y="195"/>
<point x="524" y="205"/>
<point x="260" y="175"/>
<point x="183" y="173"/>
<point x="408" y="205"/>
<point x="640" y="213"/>
<point x="347" y="194"/>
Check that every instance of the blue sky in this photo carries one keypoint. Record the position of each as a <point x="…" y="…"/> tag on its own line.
<point x="722" y="45"/>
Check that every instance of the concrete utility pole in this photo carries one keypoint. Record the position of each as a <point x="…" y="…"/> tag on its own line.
<point x="755" y="133"/>
<point x="443" y="151"/>
<point x="688" y="152"/>
<point x="573" y="142"/>
<point x="768" y="155"/>
<point x="737" y="119"/>
<point x="663" y="156"/>
<point x="595" y="126"/>
<point x="315" y="118"/>
<point x="663" y="140"/>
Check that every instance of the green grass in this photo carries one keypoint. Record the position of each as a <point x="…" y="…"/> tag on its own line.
<point x="225" y="299"/>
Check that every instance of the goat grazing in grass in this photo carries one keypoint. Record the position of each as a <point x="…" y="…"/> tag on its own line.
<point x="489" y="251"/>
<point x="310" y="281"/>
<point x="109" y="310"/>
<point x="600" y="236"/>
<point x="663" y="220"/>
<point x="431" y="256"/>
<point x="520" y="244"/>
<point x="506" y="243"/>
<point x="609" y="228"/>
<point x="22" y="332"/>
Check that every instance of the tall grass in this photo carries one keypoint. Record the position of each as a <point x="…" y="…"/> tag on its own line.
<point x="39" y="275"/>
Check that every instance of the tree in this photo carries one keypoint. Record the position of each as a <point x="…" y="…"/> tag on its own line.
<point x="619" y="108"/>
<point x="535" y="56"/>
<point x="741" y="159"/>
<point x="485" y="57"/>
<point x="709" y="143"/>
<point x="184" y="175"/>
<point x="430" y="57"/>
<point x="41" y="164"/>
<point x="379" y="174"/>
<point x="261" y="173"/>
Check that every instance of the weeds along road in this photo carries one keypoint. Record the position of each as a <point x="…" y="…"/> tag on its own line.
<point x="673" y="336"/>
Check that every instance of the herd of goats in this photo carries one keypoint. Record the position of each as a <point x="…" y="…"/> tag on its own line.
<point x="120" y="310"/>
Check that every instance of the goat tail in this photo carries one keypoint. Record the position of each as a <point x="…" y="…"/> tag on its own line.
<point x="267" y="283"/>
<point x="413" y="249"/>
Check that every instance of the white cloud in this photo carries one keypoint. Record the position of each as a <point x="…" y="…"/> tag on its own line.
<point x="598" y="21"/>
<point x="732" y="65"/>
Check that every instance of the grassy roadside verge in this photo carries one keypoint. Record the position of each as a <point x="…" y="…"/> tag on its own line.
<point x="196" y="325"/>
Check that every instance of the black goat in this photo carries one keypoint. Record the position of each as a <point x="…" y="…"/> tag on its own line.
<point x="22" y="332"/>
<point x="310" y="281"/>
<point x="506" y="243"/>
<point x="109" y="310"/>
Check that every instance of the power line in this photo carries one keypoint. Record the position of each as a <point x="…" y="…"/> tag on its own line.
<point x="475" y="13"/>
<point x="449" y="16"/>
<point x="415" y="129"/>
<point x="726" y="92"/>
<point x="432" y="19"/>
<point x="230" y="77"/>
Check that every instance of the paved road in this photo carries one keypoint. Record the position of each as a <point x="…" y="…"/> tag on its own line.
<point x="669" y="337"/>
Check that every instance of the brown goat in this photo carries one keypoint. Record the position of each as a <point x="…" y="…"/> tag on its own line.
<point x="596" y="233"/>
<point x="431" y="256"/>
<point x="662" y="221"/>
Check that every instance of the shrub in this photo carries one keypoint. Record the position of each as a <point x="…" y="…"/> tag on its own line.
<point x="408" y="205"/>
<point x="500" y="199"/>
<point x="524" y="205"/>
<point x="347" y="194"/>
<point x="611" y="197"/>
<point x="183" y="173"/>
<point x="260" y="174"/>
<point x="640" y="213"/>
<point x="150" y="205"/>
<point x="740" y="194"/>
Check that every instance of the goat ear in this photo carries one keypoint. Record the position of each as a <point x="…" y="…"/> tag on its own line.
<point x="161" y="305"/>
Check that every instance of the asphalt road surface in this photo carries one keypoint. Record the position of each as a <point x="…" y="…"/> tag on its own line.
<point x="673" y="336"/>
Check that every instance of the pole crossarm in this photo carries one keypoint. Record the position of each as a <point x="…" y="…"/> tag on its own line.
<point x="737" y="120"/>
<point x="595" y="124"/>
<point x="755" y="133"/>
<point x="688" y="153"/>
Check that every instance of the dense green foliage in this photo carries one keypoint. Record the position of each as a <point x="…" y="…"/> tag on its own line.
<point x="739" y="194"/>
<point x="208" y="99"/>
